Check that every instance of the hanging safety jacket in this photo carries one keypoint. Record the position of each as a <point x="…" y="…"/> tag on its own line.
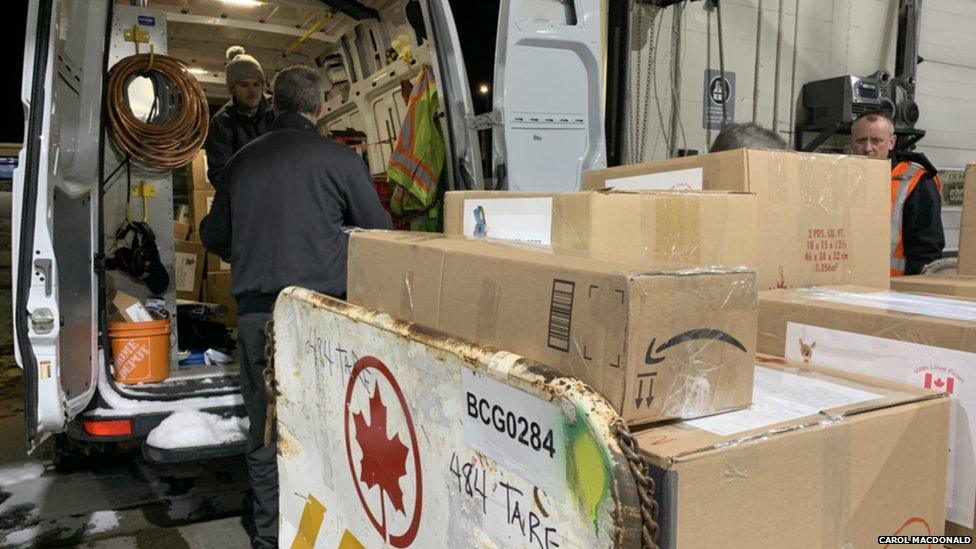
<point x="905" y="177"/>
<point x="418" y="159"/>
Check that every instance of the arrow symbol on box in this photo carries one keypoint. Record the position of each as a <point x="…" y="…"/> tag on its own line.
<point x="639" y="399"/>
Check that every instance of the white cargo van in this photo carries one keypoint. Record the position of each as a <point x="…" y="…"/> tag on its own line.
<point x="70" y="188"/>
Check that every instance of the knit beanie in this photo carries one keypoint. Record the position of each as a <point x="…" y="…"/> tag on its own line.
<point x="241" y="66"/>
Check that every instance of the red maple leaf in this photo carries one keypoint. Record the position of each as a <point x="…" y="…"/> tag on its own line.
<point x="384" y="459"/>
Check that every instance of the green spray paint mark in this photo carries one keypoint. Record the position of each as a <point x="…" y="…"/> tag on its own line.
<point x="588" y="468"/>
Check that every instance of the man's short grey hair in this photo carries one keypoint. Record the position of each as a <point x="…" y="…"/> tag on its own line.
<point x="749" y="135"/>
<point x="297" y="89"/>
<point x="874" y="116"/>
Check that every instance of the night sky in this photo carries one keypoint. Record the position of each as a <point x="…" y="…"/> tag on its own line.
<point x="476" y="24"/>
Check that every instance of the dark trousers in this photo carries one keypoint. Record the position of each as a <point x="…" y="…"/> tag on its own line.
<point x="262" y="464"/>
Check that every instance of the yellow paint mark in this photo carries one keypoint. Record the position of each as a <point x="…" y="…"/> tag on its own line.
<point x="309" y="525"/>
<point x="349" y="541"/>
<point x="588" y="470"/>
<point x="45" y="368"/>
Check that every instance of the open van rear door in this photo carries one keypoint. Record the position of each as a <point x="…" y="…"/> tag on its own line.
<point x="548" y="99"/>
<point x="55" y="199"/>
<point x="464" y="156"/>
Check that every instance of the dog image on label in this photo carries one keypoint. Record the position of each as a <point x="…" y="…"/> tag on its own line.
<point x="480" y="222"/>
<point x="806" y="351"/>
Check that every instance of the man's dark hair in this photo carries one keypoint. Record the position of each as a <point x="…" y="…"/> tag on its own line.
<point x="874" y="116"/>
<point x="297" y="89"/>
<point x="748" y="135"/>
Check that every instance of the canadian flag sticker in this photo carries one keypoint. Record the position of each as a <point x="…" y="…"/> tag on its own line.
<point x="939" y="384"/>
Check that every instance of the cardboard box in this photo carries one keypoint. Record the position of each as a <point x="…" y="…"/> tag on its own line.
<point x="927" y="341"/>
<point x="821" y="459"/>
<point x="823" y="219"/>
<point x="214" y="263"/>
<point x="695" y="228"/>
<point x="126" y="308"/>
<point x="218" y="291"/>
<point x="197" y="180"/>
<point x="658" y="344"/>
<point x="954" y="286"/>
<point x="182" y="214"/>
<point x="180" y="230"/>
<point x="967" y="231"/>
<point x="188" y="269"/>
<point x="200" y="204"/>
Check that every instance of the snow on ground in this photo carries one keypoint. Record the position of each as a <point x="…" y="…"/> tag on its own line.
<point x="188" y="428"/>
<point x="20" y="473"/>
<point x="78" y="525"/>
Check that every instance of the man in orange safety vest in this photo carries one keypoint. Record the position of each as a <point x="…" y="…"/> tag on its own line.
<point x="917" y="237"/>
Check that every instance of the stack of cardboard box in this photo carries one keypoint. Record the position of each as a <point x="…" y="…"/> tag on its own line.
<point x="216" y="286"/>
<point x="649" y="297"/>
<point x="924" y="340"/>
<point x="823" y="218"/>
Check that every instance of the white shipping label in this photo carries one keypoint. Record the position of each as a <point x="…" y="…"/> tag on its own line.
<point x="690" y="179"/>
<point x="781" y="396"/>
<point x="138" y="313"/>
<point x="521" y="219"/>
<point x="185" y="271"/>
<point x="916" y="364"/>
<point x="940" y="307"/>
<point x="521" y="432"/>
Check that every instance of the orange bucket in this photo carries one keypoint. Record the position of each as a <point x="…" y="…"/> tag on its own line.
<point x="141" y="350"/>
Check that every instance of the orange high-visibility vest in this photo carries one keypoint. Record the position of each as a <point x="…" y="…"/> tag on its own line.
<point x="904" y="179"/>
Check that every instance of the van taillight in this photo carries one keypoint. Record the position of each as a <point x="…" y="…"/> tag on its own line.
<point x="108" y="427"/>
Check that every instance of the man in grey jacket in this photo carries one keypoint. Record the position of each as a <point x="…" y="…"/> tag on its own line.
<point x="280" y="219"/>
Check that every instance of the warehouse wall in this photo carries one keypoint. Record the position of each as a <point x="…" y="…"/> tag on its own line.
<point x="834" y="37"/>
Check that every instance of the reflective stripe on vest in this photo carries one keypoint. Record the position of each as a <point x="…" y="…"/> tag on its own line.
<point x="904" y="179"/>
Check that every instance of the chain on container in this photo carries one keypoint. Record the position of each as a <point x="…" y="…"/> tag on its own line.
<point x="646" y="487"/>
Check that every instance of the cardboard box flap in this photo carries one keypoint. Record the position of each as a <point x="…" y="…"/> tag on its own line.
<point x="956" y="286"/>
<point x="786" y="397"/>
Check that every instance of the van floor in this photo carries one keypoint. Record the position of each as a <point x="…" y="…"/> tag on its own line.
<point x="197" y="380"/>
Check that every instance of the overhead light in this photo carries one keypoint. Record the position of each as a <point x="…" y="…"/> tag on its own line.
<point x="198" y="70"/>
<point x="483" y="89"/>
<point x="245" y="3"/>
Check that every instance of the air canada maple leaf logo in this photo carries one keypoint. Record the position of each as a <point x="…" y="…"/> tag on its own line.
<point x="384" y="459"/>
<point x="389" y="453"/>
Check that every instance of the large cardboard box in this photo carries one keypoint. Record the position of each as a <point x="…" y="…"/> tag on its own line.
<point x="927" y="341"/>
<point x="198" y="173"/>
<point x="967" y="232"/>
<point x="180" y="230"/>
<point x="821" y="459"/>
<point x="218" y="291"/>
<point x="695" y="228"/>
<point x="658" y="344"/>
<point x="823" y="219"/>
<point x="953" y="286"/>
<point x="188" y="269"/>
<point x="200" y="204"/>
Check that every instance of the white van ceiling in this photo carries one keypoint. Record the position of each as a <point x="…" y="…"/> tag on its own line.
<point x="200" y="31"/>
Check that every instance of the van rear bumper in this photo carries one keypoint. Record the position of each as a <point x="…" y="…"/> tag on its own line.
<point x="142" y="424"/>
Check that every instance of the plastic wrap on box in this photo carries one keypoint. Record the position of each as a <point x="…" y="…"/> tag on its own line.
<point x="644" y="228"/>
<point x="823" y="219"/>
<point x="805" y="458"/>
<point x="662" y="343"/>
<point x="924" y="340"/>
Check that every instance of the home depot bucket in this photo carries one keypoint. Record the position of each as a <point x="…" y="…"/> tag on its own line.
<point x="141" y="350"/>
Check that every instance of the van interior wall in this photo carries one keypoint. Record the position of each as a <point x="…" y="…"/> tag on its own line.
<point x="835" y="37"/>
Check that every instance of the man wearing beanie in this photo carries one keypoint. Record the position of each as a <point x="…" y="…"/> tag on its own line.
<point x="246" y="116"/>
